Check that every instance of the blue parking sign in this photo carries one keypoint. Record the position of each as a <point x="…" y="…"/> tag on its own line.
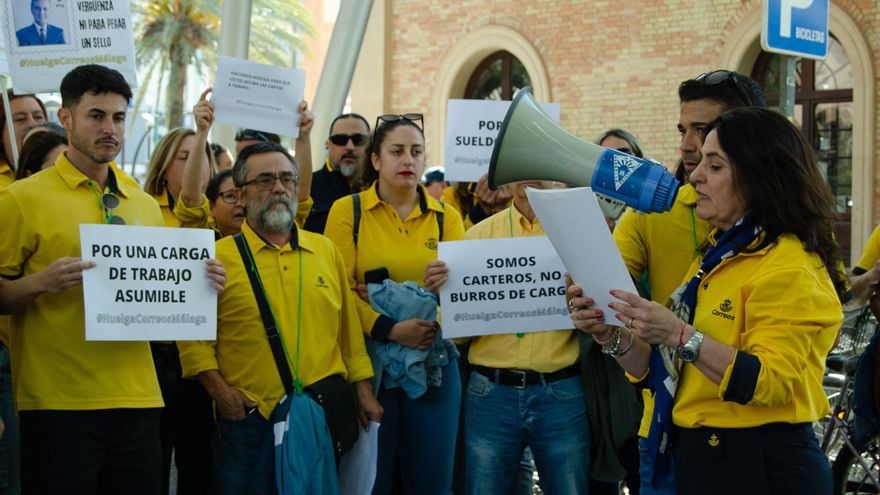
<point x="796" y="27"/>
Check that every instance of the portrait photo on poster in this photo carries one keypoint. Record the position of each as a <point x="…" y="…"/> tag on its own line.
<point x="40" y="22"/>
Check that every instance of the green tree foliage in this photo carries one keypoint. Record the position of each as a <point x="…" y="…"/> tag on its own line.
<point x="172" y="35"/>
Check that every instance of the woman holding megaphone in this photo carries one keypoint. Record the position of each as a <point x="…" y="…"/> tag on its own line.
<point x="736" y="361"/>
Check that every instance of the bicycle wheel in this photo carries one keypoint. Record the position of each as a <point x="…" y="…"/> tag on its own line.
<point x="850" y="477"/>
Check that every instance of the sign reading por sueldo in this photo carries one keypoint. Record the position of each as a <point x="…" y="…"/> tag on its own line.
<point x="796" y="27"/>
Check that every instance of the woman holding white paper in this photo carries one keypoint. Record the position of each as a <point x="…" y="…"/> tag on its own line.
<point x="747" y="334"/>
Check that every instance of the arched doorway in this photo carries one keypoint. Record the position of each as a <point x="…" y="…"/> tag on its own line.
<point x="498" y="77"/>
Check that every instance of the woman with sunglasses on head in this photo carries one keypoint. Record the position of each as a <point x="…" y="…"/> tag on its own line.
<point x="398" y="228"/>
<point x="736" y="363"/>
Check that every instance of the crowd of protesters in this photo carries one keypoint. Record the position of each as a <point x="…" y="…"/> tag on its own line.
<point x="327" y="289"/>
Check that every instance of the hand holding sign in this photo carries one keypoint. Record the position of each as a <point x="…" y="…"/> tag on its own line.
<point x="305" y="120"/>
<point x="62" y="274"/>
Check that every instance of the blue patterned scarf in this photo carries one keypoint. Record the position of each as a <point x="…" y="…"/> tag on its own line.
<point x="664" y="364"/>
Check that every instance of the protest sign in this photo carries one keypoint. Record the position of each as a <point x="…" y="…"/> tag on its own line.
<point x="471" y="129"/>
<point x="149" y="283"/>
<point x="45" y="39"/>
<point x="258" y="96"/>
<point x="498" y="286"/>
<point x="575" y="225"/>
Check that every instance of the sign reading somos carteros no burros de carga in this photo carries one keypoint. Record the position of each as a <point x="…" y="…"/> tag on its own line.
<point x="500" y="286"/>
<point x="149" y="283"/>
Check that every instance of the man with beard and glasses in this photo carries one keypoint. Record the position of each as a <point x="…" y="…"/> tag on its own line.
<point x="305" y="282"/>
<point x="349" y="134"/>
<point x="89" y="411"/>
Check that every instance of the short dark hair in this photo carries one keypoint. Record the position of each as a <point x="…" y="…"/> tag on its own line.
<point x="239" y="170"/>
<point x="777" y="175"/>
<point x="349" y="116"/>
<point x="213" y="189"/>
<point x="727" y="92"/>
<point x="95" y="79"/>
<point x="35" y="149"/>
<point x="255" y="135"/>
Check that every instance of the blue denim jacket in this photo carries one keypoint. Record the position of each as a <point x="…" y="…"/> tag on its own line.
<point x="411" y="369"/>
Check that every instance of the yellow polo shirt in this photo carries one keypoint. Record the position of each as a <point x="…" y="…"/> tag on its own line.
<point x="871" y="253"/>
<point x="403" y="246"/>
<point x="540" y="351"/>
<point x="7" y="176"/>
<point x="663" y="245"/>
<point x="53" y="366"/>
<point x="331" y="340"/>
<point x="193" y="217"/>
<point x="779" y="305"/>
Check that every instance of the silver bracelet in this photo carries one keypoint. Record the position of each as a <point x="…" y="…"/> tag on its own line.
<point x="613" y="347"/>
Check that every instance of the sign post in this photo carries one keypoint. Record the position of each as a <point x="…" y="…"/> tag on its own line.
<point x="794" y="28"/>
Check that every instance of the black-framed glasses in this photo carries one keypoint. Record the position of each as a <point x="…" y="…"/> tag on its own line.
<point x="415" y="118"/>
<point x="264" y="182"/>
<point x="250" y="135"/>
<point x="229" y="197"/>
<point x="721" y="77"/>
<point x="342" y="139"/>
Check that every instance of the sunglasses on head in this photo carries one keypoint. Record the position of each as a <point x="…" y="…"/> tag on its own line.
<point x="410" y="117"/>
<point x="342" y="139"/>
<point x="722" y="76"/>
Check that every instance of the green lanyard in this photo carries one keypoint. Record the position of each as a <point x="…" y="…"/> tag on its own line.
<point x="297" y="382"/>
<point x="510" y="226"/>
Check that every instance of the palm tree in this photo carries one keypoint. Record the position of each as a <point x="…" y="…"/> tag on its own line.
<point x="172" y="35"/>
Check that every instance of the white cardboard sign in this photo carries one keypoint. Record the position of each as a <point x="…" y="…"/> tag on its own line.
<point x="45" y="39"/>
<point x="496" y="286"/>
<point x="471" y="129"/>
<point x="258" y="96"/>
<point x="149" y="283"/>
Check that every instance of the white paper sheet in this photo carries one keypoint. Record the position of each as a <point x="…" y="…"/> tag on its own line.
<point x="258" y="96"/>
<point x="357" y="468"/>
<point x="575" y="225"/>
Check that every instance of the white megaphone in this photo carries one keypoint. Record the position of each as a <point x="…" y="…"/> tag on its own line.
<point x="530" y="146"/>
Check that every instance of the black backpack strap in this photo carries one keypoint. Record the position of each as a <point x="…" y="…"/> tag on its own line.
<point x="440" y="222"/>
<point x="266" y="316"/>
<point x="356" y="200"/>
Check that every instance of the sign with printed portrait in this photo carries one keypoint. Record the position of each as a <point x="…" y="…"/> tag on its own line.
<point x="45" y="39"/>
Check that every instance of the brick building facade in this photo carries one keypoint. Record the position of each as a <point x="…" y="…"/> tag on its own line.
<point x="608" y="63"/>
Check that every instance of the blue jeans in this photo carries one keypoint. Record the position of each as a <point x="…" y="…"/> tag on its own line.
<point x="420" y="435"/>
<point x="646" y="472"/>
<point x="237" y="447"/>
<point x="500" y="421"/>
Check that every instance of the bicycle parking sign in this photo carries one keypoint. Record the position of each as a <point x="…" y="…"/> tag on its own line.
<point x="796" y="27"/>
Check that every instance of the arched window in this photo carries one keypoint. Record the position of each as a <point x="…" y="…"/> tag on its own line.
<point x="823" y="111"/>
<point x="498" y="77"/>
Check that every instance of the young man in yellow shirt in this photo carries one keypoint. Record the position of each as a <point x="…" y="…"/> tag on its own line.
<point x="306" y="285"/>
<point x="89" y="410"/>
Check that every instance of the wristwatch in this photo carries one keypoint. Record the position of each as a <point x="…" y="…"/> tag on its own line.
<point x="690" y="351"/>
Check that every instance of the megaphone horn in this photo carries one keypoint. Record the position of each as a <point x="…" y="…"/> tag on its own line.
<point x="530" y="146"/>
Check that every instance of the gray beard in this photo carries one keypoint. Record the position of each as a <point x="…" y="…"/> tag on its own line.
<point x="347" y="170"/>
<point x="274" y="220"/>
